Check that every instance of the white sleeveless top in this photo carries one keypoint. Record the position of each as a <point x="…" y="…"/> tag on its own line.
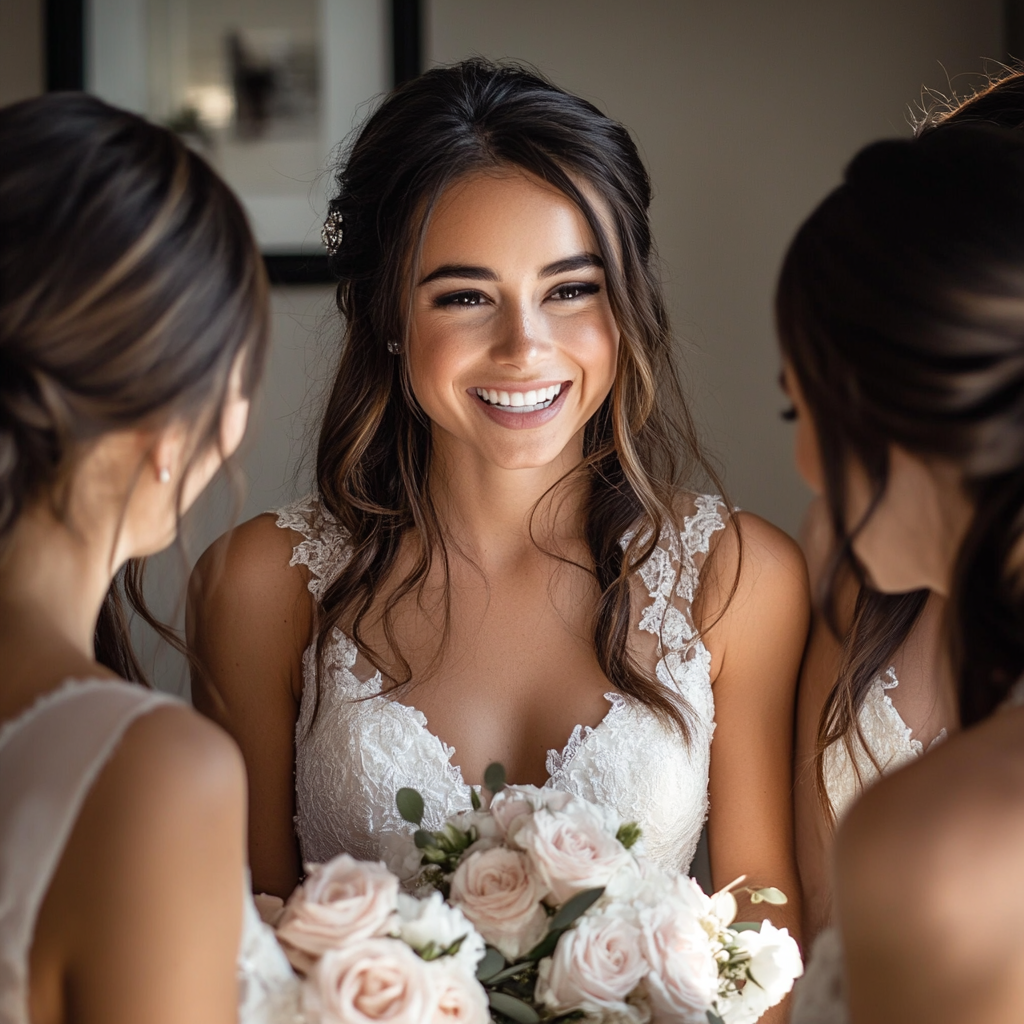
<point x="886" y="736"/>
<point x="362" y="746"/>
<point x="50" y="757"/>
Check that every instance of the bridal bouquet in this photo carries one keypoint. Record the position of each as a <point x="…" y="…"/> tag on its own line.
<point x="578" y="924"/>
<point x="369" y="952"/>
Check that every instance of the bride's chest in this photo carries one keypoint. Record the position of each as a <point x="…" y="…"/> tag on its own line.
<point x="508" y="676"/>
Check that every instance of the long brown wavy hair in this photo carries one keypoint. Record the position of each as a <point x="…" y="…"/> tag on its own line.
<point x="899" y="309"/>
<point x="129" y="285"/>
<point x="374" y="453"/>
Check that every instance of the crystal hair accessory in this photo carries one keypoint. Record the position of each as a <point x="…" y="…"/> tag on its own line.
<point x="332" y="232"/>
<point x="393" y="347"/>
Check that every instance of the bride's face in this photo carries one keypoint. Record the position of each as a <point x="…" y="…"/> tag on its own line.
<point x="911" y="537"/>
<point x="512" y="342"/>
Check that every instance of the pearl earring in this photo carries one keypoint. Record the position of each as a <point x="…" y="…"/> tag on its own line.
<point x="164" y="476"/>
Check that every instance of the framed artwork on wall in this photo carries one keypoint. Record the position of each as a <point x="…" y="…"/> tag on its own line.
<point x="266" y="90"/>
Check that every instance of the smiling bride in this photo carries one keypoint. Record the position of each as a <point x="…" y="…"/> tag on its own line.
<point x="501" y="562"/>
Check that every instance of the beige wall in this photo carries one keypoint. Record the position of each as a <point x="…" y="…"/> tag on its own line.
<point x="746" y="112"/>
<point x="21" y="49"/>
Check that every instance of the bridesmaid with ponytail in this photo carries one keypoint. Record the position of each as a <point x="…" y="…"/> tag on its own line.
<point x="901" y="319"/>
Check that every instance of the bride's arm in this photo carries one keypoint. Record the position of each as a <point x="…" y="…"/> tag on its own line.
<point x="143" y="916"/>
<point x="756" y="645"/>
<point x="249" y="620"/>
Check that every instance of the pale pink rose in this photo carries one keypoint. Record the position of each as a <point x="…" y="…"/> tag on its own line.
<point x="497" y="892"/>
<point x="371" y="980"/>
<point x="683" y="981"/>
<point x="572" y="850"/>
<point x="460" y="997"/>
<point x="341" y="901"/>
<point x="596" y="966"/>
<point x="515" y="803"/>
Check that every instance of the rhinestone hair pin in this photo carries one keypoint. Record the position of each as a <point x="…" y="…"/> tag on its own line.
<point x="332" y="232"/>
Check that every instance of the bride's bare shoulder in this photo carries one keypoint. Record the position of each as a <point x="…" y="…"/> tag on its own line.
<point x="926" y="874"/>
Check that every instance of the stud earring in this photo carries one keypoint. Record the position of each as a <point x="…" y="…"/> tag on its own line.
<point x="394" y="348"/>
<point x="164" y="476"/>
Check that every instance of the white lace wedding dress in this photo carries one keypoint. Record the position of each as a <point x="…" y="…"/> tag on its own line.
<point x="50" y="756"/>
<point x="820" y="995"/>
<point x="361" y="746"/>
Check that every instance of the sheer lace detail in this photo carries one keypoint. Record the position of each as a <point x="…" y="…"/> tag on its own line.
<point x="50" y="756"/>
<point x="361" y="746"/>
<point x="886" y="736"/>
<point x="820" y="995"/>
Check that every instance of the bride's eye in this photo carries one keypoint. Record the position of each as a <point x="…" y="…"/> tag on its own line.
<point x="467" y="298"/>
<point x="568" y="292"/>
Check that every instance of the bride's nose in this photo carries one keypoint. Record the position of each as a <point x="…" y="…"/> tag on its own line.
<point x="522" y="339"/>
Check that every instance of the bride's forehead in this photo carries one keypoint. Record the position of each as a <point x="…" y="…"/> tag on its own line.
<point x="507" y="213"/>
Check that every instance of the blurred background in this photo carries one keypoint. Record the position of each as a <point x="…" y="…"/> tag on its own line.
<point x="746" y="112"/>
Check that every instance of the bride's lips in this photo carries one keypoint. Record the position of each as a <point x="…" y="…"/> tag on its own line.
<point x="522" y="420"/>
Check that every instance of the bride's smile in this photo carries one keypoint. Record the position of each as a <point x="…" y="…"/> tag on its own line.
<point x="512" y="341"/>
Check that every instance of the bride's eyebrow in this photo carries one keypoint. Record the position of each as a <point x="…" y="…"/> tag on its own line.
<point x="579" y="261"/>
<point x="461" y="270"/>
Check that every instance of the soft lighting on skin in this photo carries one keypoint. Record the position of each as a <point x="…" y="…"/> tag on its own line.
<point x="510" y="298"/>
<point x="911" y="539"/>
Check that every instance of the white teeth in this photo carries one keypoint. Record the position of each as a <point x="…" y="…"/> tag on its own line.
<point x="520" y="401"/>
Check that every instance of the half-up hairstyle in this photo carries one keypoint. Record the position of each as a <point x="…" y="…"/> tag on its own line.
<point x="374" y="453"/>
<point x="129" y="285"/>
<point x="900" y="308"/>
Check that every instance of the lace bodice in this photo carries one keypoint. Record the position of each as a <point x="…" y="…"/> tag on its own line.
<point x="888" y="738"/>
<point x="50" y="756"/>
<point x="354" y="754"/>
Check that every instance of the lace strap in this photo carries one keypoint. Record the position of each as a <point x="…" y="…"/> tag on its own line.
<point x="324" y="548"/>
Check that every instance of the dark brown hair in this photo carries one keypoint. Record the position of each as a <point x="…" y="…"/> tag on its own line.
<point x="374" y="453"/>
<point x="901" y="309"/>
<point x="129" y="284"/>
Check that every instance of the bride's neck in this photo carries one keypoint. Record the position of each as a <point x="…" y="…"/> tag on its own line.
<point x="493" y="513"/>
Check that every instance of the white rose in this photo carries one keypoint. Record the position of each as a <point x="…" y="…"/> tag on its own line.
<point x="497" y="892"/>
<point x="515" y="803"/>
<point x="572" y="850"/>
<point x="399" y="852"/>
<point x="683" y="982"/>
<point x="596" y="966"/>
<point x="340" y="902"/>
<point x="368" y="981"/>
<point x="461" y="999"/>
<point x="774" y="965"/>
<point x="432" y="922"/>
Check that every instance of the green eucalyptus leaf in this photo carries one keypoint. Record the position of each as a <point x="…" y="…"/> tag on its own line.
<point x="713" y="1018"/>
<point x="574" y="908"/>
<point x="494" y="777"/>
<point x="435" y="856"/>
<point x="769" y="895"/>
<point x="424" y="840"/>
<point x="410" y="805"/>
<point x="628" y="834"/>
<point x="520" y="1012"/>
<point x="492" y="962"/>
<point x="546" y="946"/>
<point x="746" y="926"/>
<point x="454" y="947"/>
<point x="509" y="972"/>
<point x="429" y="952"/>
<point x="474" y="798"/>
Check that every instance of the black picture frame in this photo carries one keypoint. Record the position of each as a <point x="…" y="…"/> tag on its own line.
<point x="64" y="44"/>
